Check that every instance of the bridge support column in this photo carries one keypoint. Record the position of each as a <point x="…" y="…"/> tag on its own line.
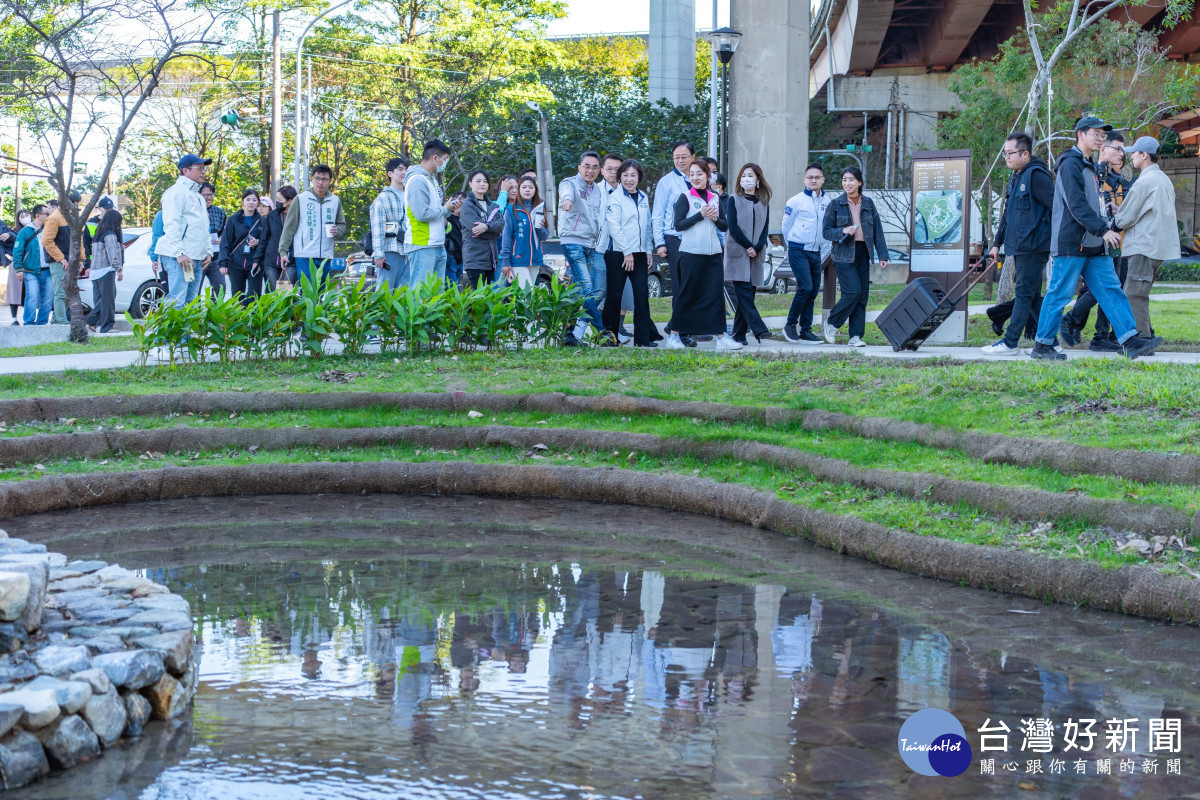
<point x="672" y="53"/>
<point x="769" y="95"/>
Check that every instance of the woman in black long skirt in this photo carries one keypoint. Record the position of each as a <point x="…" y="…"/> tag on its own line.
<point x="699" y="306"/>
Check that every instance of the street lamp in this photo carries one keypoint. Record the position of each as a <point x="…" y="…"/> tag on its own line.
<point x="301" y="179"/>
<point x="725" y="43"/>
<point x="545" y="167"/>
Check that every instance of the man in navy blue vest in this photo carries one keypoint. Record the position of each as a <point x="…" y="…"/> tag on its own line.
<point x="1024" y="233"/>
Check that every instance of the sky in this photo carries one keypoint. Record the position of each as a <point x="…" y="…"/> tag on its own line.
<point x="625" y="16"/>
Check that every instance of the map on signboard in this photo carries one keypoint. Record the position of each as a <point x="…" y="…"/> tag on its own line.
<point x="939" y="217"/>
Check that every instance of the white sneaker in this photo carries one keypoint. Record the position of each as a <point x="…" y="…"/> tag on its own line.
<point x="829" y="332"/>
<point x="581" y="329"/>
<point x="856" y="341"/>
<point x="623" y="339"/>
<point x="1000" y="349"/>
<point x="726" y="342"/>
<point x="672" y="342"/>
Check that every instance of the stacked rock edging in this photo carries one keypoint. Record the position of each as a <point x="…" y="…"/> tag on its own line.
<point x="89" y="653"/>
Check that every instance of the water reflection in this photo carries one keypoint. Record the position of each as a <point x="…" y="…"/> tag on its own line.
<point x="429" y="670"/>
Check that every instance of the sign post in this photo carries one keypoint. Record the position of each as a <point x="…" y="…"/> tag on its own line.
<point x="941" y="226"/>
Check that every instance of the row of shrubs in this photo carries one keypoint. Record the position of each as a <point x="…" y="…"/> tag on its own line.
<point x="304" y="319"/>
<point x="1185" y="271"/>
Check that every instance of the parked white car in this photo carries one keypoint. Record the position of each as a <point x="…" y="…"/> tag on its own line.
<point x="140" y="290"/>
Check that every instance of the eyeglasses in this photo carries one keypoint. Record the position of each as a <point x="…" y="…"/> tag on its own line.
<point x="1007" y="153"/>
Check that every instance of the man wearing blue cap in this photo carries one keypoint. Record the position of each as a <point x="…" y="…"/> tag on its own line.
<point x="185" y="247"/>
<point x="1079" y="233"/>
<point x="1151" y="235"/>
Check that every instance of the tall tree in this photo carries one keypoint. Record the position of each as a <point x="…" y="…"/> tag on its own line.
<point x="80" y="71"/>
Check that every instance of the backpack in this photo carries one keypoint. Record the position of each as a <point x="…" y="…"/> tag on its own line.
<point x="366" y="242"/>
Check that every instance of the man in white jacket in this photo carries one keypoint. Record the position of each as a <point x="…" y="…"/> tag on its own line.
<point x="1147" y="215"/>
<point x="184" y="249"/>
<point x="802" y="220"/>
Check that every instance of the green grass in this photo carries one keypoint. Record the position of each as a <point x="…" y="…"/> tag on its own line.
<point x="1146" y="405"/>
<point x="958" y="523"/>
<point x="899" y="456"/>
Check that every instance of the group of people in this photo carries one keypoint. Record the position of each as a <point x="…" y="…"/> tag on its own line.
<point x="1094" y="224"/>
<point x="38" y="250"/>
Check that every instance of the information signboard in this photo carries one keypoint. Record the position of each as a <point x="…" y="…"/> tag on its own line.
<point x="940" y="240"/>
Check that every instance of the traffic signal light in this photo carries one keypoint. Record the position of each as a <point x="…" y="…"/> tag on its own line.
<point x="230" y="118"/>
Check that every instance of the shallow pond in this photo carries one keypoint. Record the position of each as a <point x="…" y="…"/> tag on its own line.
<point x="420" y="647"/>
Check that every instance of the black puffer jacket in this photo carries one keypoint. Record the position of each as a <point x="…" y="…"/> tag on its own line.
<point x="235" y="240"/>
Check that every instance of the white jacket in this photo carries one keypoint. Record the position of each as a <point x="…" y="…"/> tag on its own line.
<point x="185" y="222"/>
<point x="627" y="220"/>
<point x="1147" y="215"/>
<point x="802" y="220"/>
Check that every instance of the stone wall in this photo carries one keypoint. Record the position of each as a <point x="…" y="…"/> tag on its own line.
<point x="89" y="653"/>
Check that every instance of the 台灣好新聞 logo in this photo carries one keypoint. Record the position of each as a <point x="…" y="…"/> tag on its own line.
<point x="932" y="742"/>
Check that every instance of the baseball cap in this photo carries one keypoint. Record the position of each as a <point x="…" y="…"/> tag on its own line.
<point x="1144" y="144"/>
<point x="105" y="202"/>
<point x="190" y="161"/>
<point x="1092" y="123"/>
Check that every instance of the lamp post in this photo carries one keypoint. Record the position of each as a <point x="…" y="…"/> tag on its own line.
<point x="301" y="179"/>
<point x="545" y="167"/>
<point x="725" y="42"/>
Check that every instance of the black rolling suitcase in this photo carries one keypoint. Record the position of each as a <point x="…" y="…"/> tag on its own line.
<point x="917" y="311"/>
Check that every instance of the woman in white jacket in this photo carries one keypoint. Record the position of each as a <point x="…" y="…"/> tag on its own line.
<point x="628" y="221"/>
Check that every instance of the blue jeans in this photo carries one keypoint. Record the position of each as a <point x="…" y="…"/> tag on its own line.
<point x="179" y="291"/>
<point x="453" y="270"/>
<point x="806" y="267"/>
<point x="1100" y="276"/>
<point x="586" y="268"/>
<point x="426" y="261"/>
<point x="395" y="274"/>
<point x="313" y="267"/>
<point x="39" y="297"/>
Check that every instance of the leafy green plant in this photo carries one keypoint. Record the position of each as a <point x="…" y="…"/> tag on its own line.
<point x="269" y="320"/>
<point x="226" y="326"/>
<point x="352" y="315"/>
<point x="311" y="314"/>
<point x="551" y="309"/>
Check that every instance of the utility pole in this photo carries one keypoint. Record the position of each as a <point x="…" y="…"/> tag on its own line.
<point x="712" y="90"/>
<point x="276" y="108"/>
<point x="17" y="173"/>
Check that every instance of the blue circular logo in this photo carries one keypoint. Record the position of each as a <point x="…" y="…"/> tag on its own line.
<point x="932" y="742"/>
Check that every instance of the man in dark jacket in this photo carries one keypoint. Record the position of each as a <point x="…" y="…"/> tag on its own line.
<point x="1078" y="237"/>
<point x="1024" y="233"/>
<point x="1112" y="189"/>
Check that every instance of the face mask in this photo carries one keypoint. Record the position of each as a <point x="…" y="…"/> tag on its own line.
<point x="442" y="166"/>
<point x="750" y="183"/>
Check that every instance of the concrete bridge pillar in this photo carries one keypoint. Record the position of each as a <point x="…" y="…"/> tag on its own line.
<point x="769" y="95"/>
<point x="673" y="51"/>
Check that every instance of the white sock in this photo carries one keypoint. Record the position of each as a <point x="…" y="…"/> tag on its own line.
<point x="581" y="328"/>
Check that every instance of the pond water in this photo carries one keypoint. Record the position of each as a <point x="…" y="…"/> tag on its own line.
<point x="421" y="647"/>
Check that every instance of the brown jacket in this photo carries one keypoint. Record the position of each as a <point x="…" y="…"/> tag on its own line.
<point x="52" y="240"/>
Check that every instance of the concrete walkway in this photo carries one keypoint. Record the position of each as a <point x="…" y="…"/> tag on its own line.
<point x="126" y="358"/>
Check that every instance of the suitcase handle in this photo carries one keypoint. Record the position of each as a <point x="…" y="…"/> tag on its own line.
<point x="990" y="263"/>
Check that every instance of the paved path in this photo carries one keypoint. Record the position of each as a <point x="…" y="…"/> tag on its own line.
<point x="125" y="358"/>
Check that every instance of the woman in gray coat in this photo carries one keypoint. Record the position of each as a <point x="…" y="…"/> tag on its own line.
<point x="482" y="224"/>
<point x="108" y="262"/>
<point x="745" y="250"/>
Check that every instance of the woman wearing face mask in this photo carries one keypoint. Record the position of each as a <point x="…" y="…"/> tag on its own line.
<point x="238" y="258"/>
<point x="627" y="220"/>
<point x="853" y="225"/>
<point x="699" y="301"/>
<point x="482" y="225"/>
<point x="745" y="250"/>
<point x="272" y="229"/>
<point x="524" y="231"/>
<point x="16" y="278"/>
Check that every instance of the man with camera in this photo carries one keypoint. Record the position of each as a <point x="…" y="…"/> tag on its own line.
<point x="1113" y="188"/>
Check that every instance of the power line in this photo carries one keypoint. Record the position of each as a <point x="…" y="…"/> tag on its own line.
<point x="393" y="47"/>
<point x="323" y="56"/>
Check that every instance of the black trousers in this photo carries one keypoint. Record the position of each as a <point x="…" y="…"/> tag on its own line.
<point x="643" y="328"/>
<point x="673" y="266"/>
<point x="855" y="280"/>
<point x="746" y="314"/>
<point x="104" y="295"/>
<point x="216" y="281"/>
<point x="247" y="285"/>
<point x="806" y="268"/>
<point x="1079" y="313"/>
<point x="1026" y="304"/>
<point x="476" y="276"/>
